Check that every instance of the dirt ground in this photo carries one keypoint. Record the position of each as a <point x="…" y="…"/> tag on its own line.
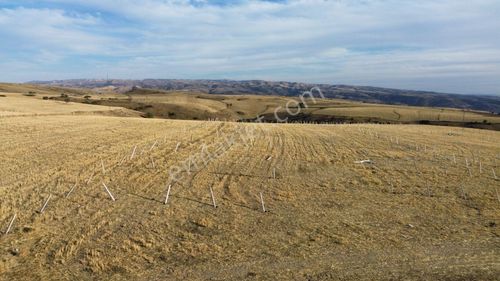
<point x="426" y="206"/>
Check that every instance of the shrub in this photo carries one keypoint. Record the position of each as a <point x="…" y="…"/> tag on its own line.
<point x="45" y="98"/>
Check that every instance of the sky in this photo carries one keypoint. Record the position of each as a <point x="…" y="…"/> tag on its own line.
<point x="439" y="45"/>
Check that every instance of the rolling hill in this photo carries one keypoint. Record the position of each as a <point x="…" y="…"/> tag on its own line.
<point x="258" y="87"/>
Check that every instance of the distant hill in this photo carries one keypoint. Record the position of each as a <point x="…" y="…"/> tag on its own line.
<point x="259" y="87"/>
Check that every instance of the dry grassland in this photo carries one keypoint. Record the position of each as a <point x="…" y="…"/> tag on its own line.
<point x="16" y="104"/>
<point x="416" y="213"/>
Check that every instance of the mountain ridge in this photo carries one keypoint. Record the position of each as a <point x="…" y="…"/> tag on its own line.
<point x="282" y="88"/>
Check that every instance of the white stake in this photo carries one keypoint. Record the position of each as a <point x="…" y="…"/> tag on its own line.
<point x="152" y="162"/>
<point x="45" y="205"/>
<point x="153" y="146"/>
<point x="177" y="147"/>
<point x="454" y="159"/>
<point x="107" y="190"/>
<point x="480" y="167"/>
<point x="274" y="173"/>
<point x="262" y="203"/>
<point x="133" y="152"/>
<point x="102" y="166"/>
<point x="494" y="174"/>
<point x="10" y="224"/>
<point x="467" y="165"/>
<point x="123" y="159"/>
<point x="71" y="190"/>
<point x="213" y="198"/>
<point x="168" y="194"/>
<point x="90" y="178"/>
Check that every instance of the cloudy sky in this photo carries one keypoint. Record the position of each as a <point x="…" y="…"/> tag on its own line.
<point x="440" y="45"/>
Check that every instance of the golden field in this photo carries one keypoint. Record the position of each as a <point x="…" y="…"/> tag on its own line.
<point x="427" y="206"/>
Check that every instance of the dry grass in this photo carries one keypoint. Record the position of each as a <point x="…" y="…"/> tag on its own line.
<point x="16" y="104"/>
<point x="414" y="214"/>
<point x="200" y="106"/>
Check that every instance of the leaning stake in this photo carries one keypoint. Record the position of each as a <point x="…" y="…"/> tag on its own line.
<point x="107" y="190"/>
<point x="168" y="193"/>
<point x="213" y="198"/>
<point x="71" y="190"/>
<point x="133" y="153"/>
<point x="45" y="205"/>
<point x="262" y="203"/>
<point x="10" y="224"/>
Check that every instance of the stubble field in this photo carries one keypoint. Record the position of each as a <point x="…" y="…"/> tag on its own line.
<point x="425" y="207"/>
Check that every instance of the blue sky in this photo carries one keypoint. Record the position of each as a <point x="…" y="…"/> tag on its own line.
<point x="441" y="45"/>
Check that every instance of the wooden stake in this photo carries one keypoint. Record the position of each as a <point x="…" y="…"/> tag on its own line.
<point x="107" y="190"/>
<point x="498" y="197"/>
<point x="274" y="173"/>
<point x="10" y="224"/>
<point x="262" y="203"/>
<point x="494" y="174"/>
<point x="168" y="194"/>
<point x="480" y="167"/>
<point x="133" y="153"/>
<point x="71" y="190"/>
<point x="177" y="147"/>
<point x="45" y="205"/>
<point x="213" y="197"/>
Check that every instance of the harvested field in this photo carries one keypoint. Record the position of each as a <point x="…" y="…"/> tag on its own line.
<point x="426" y="206"/>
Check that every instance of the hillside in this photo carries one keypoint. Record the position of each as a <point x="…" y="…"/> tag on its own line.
<point x="258" y="87"/>
<point x="425" y="207"/>
<point x="201" y="106"/>
<point x="34" y="101"/>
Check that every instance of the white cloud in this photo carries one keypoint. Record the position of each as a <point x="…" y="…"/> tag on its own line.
<point x="383" y="42"/>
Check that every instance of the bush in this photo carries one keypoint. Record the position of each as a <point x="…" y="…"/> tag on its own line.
<point x="30" y="94"/>
<point x="149" y="115"/>
<point x="45" y="98"/>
